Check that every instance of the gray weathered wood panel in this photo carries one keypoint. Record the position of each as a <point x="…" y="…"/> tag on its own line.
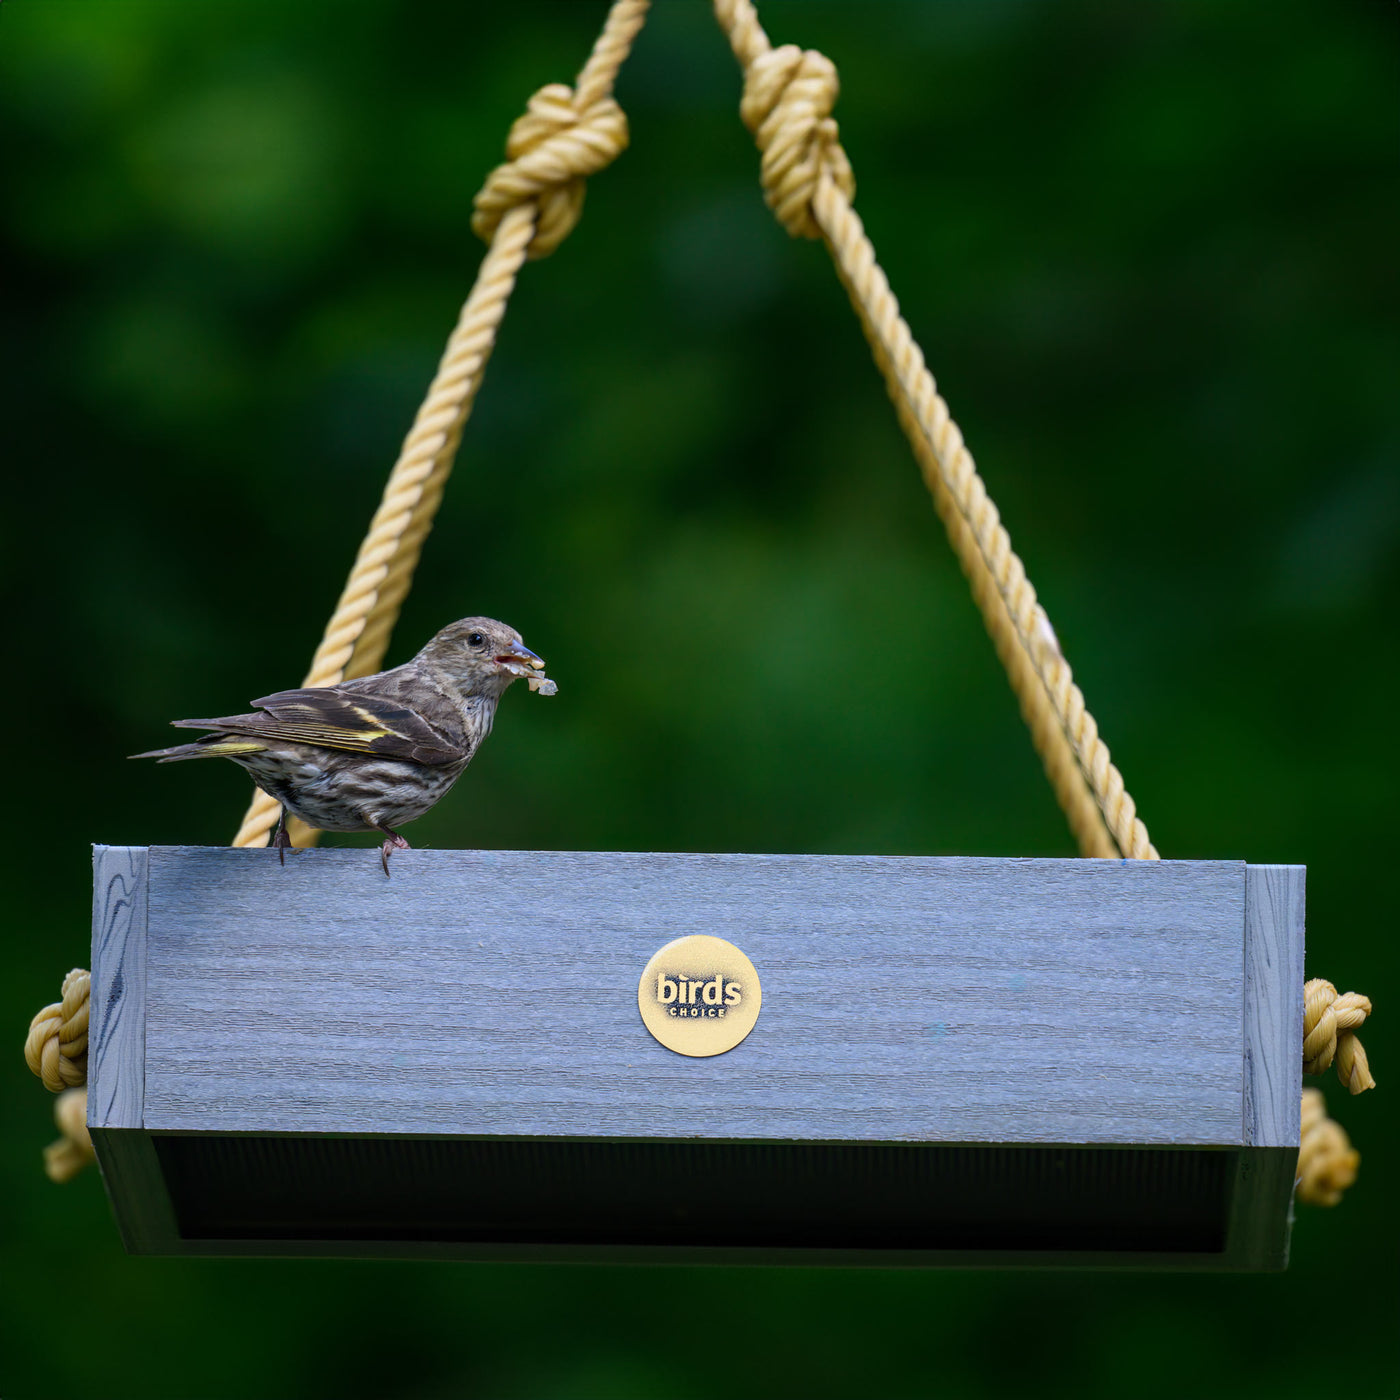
<point x="1273" y="1020"/>
<point x="117" y="1051"/>
<point x="494" y="992"/>
<point x="117" y="1006"/>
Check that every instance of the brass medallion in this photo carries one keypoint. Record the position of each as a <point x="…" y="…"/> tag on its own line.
<point x="699" y="996"/>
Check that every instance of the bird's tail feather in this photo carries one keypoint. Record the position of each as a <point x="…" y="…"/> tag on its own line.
<point x="215" y="746"/>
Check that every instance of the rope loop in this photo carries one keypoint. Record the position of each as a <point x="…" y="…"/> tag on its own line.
<point x="57" y="1043"/>
<point x="1327" y="1162"/>
<point x="788" y="97"/>
<point x="66" y="1157"/>
<point x="552" y="150"/>
<point x="1329" y="1026"/>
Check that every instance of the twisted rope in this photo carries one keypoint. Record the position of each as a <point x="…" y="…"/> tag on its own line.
<point x="1327" y="1162"/>
<point x="551" y="149"/>
<point x="526" y="209"/>
<point x="57" y="1044"/>
<point x="1329" y="1032"/>
<point x="807" y="182"/>
<point x="64" y="1159"/>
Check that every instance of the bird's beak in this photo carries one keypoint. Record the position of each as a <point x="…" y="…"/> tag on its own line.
<point x="518" y="654"/>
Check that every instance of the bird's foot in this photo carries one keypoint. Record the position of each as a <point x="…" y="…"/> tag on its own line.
<point x="281" y="840"/>
<point x="392" y="842"/>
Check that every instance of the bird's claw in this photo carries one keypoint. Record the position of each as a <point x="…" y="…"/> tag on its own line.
<point x="392" y="842"/>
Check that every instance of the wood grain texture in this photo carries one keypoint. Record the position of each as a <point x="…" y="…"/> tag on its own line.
<point x="117" y="1008"/>
<point x="1273" y="1016"/>
<point x="117" y="1052"/>
<point x="494" y="992"/>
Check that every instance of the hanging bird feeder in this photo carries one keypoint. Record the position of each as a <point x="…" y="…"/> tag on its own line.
<point x="514" y="1054"/>
<point x="951" y="1060"/>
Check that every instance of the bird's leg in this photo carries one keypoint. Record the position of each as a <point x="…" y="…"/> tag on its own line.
<point x="280" y="839"/>
<point x="392" y="842"/>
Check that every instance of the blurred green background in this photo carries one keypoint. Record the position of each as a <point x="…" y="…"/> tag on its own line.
<point x="1149" y="250"/>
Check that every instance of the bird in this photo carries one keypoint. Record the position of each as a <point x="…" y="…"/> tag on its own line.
<point x="373" y="754"/>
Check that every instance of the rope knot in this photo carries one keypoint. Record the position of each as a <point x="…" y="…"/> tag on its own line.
<point x="788" y="97"/>
<point x="552" y="150"/>
<point x="56" y="1046"/>
<point x="1329" y="1026"/>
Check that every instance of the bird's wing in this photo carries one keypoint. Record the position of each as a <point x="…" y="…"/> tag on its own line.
<point x="334" y="718"/>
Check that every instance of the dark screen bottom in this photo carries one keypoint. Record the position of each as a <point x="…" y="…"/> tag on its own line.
<point x="900" y="1196"/>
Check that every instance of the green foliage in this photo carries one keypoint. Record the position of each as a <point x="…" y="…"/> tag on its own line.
<point x="1149" y="252"/>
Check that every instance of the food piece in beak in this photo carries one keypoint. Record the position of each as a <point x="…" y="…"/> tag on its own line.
<point x="521" y="661"/>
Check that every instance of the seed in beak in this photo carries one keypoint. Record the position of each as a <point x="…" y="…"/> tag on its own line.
<point x="521" y="656"/>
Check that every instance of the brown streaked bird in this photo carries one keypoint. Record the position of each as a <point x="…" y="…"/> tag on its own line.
<point x="372" y="754"/>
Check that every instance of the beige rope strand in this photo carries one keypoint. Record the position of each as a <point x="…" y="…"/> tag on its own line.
<point x="57" y="1044"/>
<point x="56" y="1050"/>
<point x="986" y="544"/>
<point x="411" y="496"/>
<point x="64" y="1159"/>
<point x="1329" y="1033"/>
<point x="610" y="50"/>
<point x="807" y="182"/>
<point x="1327" y="1162"/>
<point x="1049" y="739"/>
<point x="527" y="207"/>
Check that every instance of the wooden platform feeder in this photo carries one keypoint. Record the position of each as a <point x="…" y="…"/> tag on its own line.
<point x="956" y="1061"/>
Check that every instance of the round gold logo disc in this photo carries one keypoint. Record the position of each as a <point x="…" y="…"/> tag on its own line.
<point x="699" y="996"/>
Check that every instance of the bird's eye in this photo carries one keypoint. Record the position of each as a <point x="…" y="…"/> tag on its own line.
<point x="475" y="639"/>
